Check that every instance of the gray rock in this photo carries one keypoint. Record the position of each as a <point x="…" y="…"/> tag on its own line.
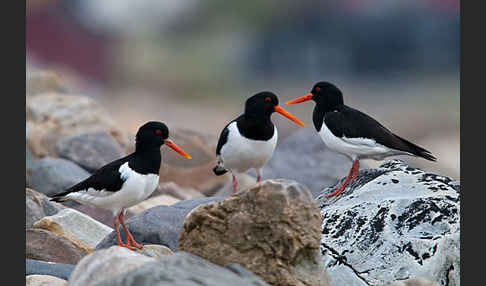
<point x="90" y="151"/>
<point x="60" y="270"/>
<point x="105" y="264"/>
<point x="158" y="225"/>
<point x="44" y="280"/>
<point x="37" y="206"/>
<point x="304" y="157"/>
<point x="393" y="223"/>
<point x="51" y="176"/>
<point x="184" y="269"/>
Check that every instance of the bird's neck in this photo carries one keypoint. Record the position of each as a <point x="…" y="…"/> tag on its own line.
<point x="147" y="160"/>
<point x="320" y="110"/>
<point x="258" y="127"/>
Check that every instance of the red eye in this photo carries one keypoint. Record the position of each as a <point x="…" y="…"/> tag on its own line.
<point x="268" y="99"/>
<point x="158" y="131"/>
<point x="318" y="89"/>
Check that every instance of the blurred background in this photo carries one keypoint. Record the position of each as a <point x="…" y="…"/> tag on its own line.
<point x="192" y="64"/>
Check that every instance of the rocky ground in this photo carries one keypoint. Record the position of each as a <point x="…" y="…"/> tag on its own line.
<point x="395" y="225"/>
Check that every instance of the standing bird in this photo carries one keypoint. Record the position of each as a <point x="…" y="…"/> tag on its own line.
<point x="126" y="181"/>
<point x="353" y="133"/>
<point x="249" y="140"/>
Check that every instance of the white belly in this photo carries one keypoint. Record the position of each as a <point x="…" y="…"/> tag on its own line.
<point x="356" y="148"/>
<point x="240" y="154"/>
<point x="136" y="188"/>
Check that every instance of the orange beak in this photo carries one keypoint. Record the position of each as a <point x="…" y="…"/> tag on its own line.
<point x="177" y="148"/>
<point x="300" y="99"/>
<point x="285" y="113"/>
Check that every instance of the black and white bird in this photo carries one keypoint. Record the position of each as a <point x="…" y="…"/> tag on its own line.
<point x="249" y="140"/>
<point x="353" y="133"/>
<point x="126" y="181"/>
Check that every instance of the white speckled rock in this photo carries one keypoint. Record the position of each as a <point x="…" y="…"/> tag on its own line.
<point x="44" y="280"/>
<point x="413" y="282"/>
<point x="76" y="226"/>
<point x="105" y="264"/>
<point x="393" y="223"/>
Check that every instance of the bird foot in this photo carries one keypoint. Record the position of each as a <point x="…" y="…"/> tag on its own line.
<point x="126" y="245"/>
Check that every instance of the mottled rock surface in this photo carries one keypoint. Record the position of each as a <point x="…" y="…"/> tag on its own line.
<point x="51" y="176"/>
<point x="44" y="280"/>
<point x="184" y="269"/>
<point x="413" y="282"/>
<point x="90" y="151"/>
<point x="61" y="270"/>
<point x="106" y="264"/>
<point x="394" y="222"/>
<point x="272" y="229"/>
<point x="304" y="157"/>
<point x="81" y="229"/>
<point x="37" y="206"/>
<point x="158" y="225"/>
<point x="45" y="245"/>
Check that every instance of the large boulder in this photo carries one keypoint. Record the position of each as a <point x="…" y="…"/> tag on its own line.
<point x="91" y="151"/>
<point x="183" y="269"/>
<point x="37" y="206"/>
<point x="305" y="158"/>
<point x="158" y="225"/>
<point x="51" y="176"/>
<point x="272" y="229"/>
<point x="52" y="116"/>
<point x="393" y="223"/>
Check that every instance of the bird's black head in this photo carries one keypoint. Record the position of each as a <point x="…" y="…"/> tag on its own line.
<point x="154" y="134"/>
<point x="323" y="93"/>
<point x="151" y="135"/>
<point x="263" y="104"/>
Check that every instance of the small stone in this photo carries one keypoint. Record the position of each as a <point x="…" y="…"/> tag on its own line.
<point x="48" y="246"/>
<point x="154" y="250"/>
<point x="152" y="202"/>
<point x="84" y="231"/>
<point x="44" y="280"/>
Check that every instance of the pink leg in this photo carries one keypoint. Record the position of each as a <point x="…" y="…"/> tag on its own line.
<point x="130" y="239"/>
<point x="353" y="173"/>
<point x="235" y="185"/>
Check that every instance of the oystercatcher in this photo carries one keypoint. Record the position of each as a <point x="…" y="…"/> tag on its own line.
<point x="249" y="140"/>
<point x="126" y="181"/>
<point x="353" y="133"/>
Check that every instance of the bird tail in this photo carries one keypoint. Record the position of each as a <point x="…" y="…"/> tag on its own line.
<point x="419" y="151"/>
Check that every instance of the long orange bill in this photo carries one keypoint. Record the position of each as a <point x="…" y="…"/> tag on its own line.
<point x="285" y="113"/>
<point x="177" y="148"/>
<point x="300" y="99"/>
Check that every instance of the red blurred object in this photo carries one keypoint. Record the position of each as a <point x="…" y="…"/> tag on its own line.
<point x="53" y="38"/>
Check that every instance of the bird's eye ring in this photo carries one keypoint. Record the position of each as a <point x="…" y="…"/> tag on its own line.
<point x="158" y="131"/>
<point x="268" y="99"/>
<point x="318" y="89"/>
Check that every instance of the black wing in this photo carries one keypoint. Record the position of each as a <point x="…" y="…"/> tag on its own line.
<point x="106" y="178"/>
<point x="223" y="138"/>
<point x="353" y="123"/>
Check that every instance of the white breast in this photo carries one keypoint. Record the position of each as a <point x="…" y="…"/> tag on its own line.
<point x="240" y="154"/>
<point x="356" y="148"/>
<point x="136" y="188"/>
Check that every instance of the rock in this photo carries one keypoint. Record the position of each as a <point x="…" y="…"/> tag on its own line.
<point x="60" y="270"/>
<point x="413" y="282"/>
<point x="176" y="191"/>
<point x="84" y="231"/>
<point x="51" y="176"/>
<point x="154" y="250"/>
<point x="152" y="202"/>
<point x="53" y="116"/>
<point x="45" y="245"/>
<point x="184" y="269"/>
<point x="44" y="280"/>
<point x="245" y="182"/>
<point x="195" y="173"/>
<point x="98" y="214"/>
<point x="105" y="264"/>
<point x="158" y="225"/>
<point x="37" y="206"/>
<point x="43" y="81"/>
<point x="394" y="222"/>
<point x="30" y="163"/>
<point x="272" y="229"/>
<point x="90" y="151"/>
<point x="304" y="157"/>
